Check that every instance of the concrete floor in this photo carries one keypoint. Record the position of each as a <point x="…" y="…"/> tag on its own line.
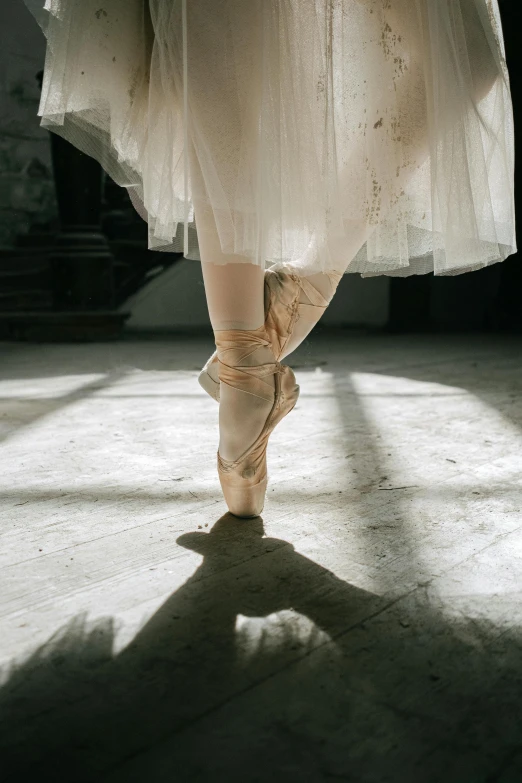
<point x="367" y="629"/>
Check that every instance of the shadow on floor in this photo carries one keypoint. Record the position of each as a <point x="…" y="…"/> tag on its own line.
<point x="341" y="685"/>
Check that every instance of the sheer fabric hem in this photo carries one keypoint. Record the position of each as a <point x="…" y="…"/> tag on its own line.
<point x="347" y="134"/>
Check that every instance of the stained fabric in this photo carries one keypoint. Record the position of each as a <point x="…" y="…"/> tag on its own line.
<point x="374" y="136"/>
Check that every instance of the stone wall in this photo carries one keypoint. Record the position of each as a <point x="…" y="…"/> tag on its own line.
<point x="26" y="185"/>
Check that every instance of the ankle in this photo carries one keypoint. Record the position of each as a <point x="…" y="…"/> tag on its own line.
<point x="247" y="380"/>
<point x="319" y="289"/>
<point x="236" y="326"/>
<point x="262" y="355"/>
<point x="244" y="347"/>
<point x="241" y="420"/>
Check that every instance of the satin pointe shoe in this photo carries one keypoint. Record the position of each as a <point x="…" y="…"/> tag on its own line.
<point x="283" y="305"/>
<point x="283" y="309"/>
<point x="244" y="481"/>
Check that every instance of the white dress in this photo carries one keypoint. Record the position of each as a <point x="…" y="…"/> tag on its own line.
<point x="374" y="136"/>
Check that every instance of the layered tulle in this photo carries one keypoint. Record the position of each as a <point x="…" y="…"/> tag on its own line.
<point x="371" y="135"/>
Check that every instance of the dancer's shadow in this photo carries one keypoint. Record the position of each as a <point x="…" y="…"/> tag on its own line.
<point x="348" y="685"/>
<point x="76" y="711"/>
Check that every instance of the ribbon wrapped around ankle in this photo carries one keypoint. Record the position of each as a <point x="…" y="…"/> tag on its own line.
<point x="317" y="300"/>
<point x="234" y="346"/>
<point x="250" y="379"/>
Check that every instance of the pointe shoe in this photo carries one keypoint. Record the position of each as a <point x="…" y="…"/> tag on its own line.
<point x="244" y="481"/>
<point x="282" y="311"/>
<point x="283" y="307"/>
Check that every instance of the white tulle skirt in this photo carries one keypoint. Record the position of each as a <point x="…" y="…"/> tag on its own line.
<point x="374" y="136"/>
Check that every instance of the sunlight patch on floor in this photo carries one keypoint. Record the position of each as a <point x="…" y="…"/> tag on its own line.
<point x="276" y="634"/>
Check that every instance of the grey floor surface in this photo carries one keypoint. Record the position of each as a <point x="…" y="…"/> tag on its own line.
<point x="366" y="629"/>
